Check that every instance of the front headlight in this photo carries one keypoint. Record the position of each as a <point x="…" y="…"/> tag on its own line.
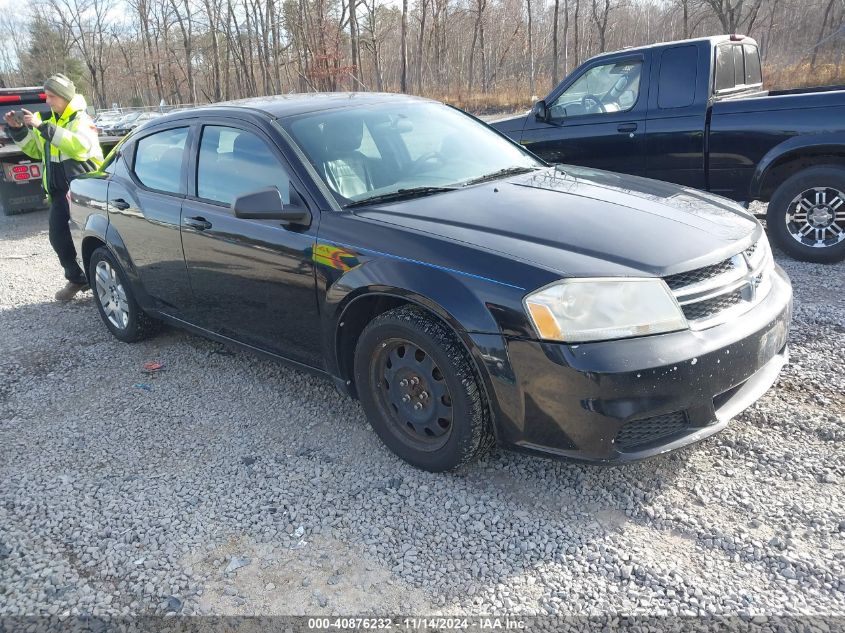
<point x="580" y="310"/>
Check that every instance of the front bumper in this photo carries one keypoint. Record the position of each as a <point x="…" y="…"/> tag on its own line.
<point x="626" y="400"/>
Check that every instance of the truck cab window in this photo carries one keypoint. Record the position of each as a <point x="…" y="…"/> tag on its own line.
<point x="607" y="88"/>
<point x="676" y="87"/>
<point x="753" y="73"/>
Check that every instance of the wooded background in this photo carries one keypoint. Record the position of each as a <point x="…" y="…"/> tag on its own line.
<point x="479" y="54"/>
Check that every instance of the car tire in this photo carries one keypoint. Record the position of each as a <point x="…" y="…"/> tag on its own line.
<point x="805" y="203"/>
<point x="115" y="302"/>
<point x="420" y="391"/>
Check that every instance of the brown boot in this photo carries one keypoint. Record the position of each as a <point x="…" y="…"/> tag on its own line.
<point x="69" y="291"/>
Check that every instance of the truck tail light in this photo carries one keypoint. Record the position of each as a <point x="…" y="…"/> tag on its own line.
<point x="26" y="171"/>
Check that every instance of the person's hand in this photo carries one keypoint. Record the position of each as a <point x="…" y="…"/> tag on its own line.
<point x="12" y="120"/>
<point x="29" y="119"/>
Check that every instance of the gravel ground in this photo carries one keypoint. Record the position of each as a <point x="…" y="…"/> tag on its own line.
<point x="227" y="484"/>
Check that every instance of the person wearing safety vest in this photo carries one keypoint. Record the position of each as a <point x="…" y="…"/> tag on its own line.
<point x="67" y="144"/>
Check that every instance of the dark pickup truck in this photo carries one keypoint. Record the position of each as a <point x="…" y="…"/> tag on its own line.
<point x="695" y="113"/>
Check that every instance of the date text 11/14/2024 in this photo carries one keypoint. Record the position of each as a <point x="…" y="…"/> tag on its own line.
<point x="416" y="623"/>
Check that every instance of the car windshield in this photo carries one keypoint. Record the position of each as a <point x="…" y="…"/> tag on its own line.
<point x="381" y="151"/>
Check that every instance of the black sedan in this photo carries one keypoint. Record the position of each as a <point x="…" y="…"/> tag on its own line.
<point x="466" y="292"/>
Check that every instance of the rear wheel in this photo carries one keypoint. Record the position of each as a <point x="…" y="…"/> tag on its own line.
<point x="115" y="302"/>
<point x="420" y="392"/>
<point x="806" y="215"/>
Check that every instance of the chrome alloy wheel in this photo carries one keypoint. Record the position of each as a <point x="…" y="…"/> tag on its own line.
<point x="111" y="295"/>
<point x="816" y="217"/>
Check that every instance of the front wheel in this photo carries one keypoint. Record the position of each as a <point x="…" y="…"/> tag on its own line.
<point x="806" y="215"/>
<point x="420" y="392"/>
<point x="117" y="306"/>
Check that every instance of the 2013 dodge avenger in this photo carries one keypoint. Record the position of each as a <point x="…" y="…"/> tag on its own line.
<point x="465" y="291"/>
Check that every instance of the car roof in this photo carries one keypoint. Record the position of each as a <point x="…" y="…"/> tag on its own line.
<point x="281" y="106"/>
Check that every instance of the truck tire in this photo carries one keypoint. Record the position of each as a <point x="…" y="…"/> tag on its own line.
<point x="806" y="215"/>
<point x="420" y="390"/>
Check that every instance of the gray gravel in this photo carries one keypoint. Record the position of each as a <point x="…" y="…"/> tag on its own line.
<point x="234" y="485"/>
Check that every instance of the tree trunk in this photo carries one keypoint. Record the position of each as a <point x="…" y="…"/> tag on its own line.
<point x="424" y="10"/>
<point x="822" y="30"/>
<point x="354" y="47"/>
<point x="554" y="41"/>
<point x="530" y="51"/>
<point x="403" y="87"/>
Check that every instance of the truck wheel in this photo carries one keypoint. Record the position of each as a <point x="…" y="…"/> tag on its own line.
<point x="420" y="392"/>
<point x="806" y="215"/>
<point x="117" y="306"/>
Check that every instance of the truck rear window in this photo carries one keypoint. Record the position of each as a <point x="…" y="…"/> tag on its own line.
<point x="676" y="85"/>
<point x="753" y="73"/>
<point x="725" y="76"/>
<point x="737" y="66"/>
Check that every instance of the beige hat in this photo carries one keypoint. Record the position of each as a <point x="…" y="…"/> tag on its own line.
<point x="60" y="85"/>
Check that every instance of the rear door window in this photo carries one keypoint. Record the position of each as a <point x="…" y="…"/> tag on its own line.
<point x="158" y="160"/>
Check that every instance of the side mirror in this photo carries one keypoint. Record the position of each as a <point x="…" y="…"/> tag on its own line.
<point x="266" y="204"/>
<point x="540" y="111"/>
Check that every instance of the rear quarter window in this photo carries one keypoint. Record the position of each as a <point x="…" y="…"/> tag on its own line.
<point x="676" y="84"/>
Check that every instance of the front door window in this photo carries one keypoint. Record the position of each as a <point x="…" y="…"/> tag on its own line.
<point x="602" y="89"/>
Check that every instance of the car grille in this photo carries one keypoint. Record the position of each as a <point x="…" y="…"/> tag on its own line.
<point x="710" y="307"/>
<point x="697" y="276"/>
<point x="639" y="433"/>
<point x="713" y="294"/>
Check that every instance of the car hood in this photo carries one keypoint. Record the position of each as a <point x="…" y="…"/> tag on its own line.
<point x="579" y="221"/>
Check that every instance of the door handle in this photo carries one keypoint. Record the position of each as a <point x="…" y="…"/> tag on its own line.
<point x="199" y="223"/>
<point x="120" y="203"/>
<point x="627" y="127"/>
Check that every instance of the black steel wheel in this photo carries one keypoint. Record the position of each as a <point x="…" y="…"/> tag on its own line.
<point x="806" y="215"/>
<point x="420" y="391"/>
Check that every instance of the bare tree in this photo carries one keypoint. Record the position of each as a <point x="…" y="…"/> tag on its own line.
<point x="735" y="15"/>
<point x="88" y="23"/>
<point x="404" y="80"/>
<point x="530" y="50"/>
<point x="601" y="14"/>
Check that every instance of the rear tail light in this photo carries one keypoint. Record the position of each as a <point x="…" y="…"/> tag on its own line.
<point x="24" y="171"/>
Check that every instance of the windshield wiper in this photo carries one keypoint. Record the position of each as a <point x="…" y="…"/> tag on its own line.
<point x="401" y="194"/>
<point x="501" y="173"/>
